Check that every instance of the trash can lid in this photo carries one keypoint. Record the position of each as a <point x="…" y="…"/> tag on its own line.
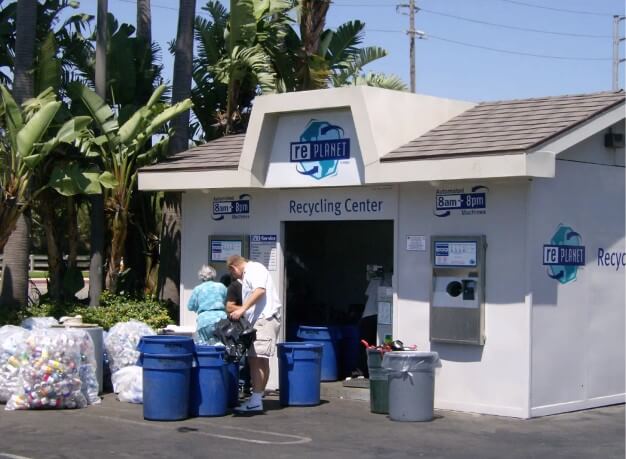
<point x="410" y="360"/>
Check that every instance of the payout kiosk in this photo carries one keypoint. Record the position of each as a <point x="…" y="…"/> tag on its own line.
<point x="458" y="293"/>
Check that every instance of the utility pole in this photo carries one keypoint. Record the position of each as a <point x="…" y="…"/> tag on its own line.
<point x="616" y="41"/>
<point x="412" y="33"/>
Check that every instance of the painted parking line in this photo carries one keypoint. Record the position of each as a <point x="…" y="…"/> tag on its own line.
<point x="12" y="456"/>
<point x="281" y="438"/>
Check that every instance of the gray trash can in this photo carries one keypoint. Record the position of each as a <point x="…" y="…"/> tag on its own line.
<point x="411" y="384"/>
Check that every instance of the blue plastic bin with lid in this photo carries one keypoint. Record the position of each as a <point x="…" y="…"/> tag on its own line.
<point x="299" y="373"/>
<point x="166" y="344"/>
<point x="329" y="338"/>
<point x="209" y="383"/>
<point x="166" y="383"/>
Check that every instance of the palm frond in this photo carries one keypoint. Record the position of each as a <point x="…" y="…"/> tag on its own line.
<point x="381" y="80"/>
<point x="345" y="40"/>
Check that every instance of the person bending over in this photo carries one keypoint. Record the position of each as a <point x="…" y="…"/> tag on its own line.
<point x="261" y="307"/>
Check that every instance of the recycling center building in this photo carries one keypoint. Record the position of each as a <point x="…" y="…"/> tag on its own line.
<point x="496" y="229"/>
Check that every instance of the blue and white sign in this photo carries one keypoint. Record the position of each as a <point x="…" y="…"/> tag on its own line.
<point x="321" y="148"/>
<point x="329" y="207"/>
<point x="564" y="254"/>
<point x="263" y="249"/>
<point x="459" y="200"/>
<point x="455" y="253"/>
<point x="231" y="207"/>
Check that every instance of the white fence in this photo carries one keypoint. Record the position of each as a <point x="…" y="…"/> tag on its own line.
<point x="40" y="262"/>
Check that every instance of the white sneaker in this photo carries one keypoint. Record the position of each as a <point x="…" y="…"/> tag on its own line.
<point x="248" y="407"/>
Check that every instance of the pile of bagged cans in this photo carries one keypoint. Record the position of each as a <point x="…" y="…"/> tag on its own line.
<point x="57" y="370"/>
<point x="121" y="343"/>
<point x="121" y="348"/>
<point x="10" y="359"/>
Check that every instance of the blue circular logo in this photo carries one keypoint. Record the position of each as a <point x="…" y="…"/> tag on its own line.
<point x="318" y="131"/>
<point x="564" y="236"/>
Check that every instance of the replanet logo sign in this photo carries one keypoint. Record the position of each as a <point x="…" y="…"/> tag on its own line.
<point x="564" y="254"/>
<point x="321" y="147"/>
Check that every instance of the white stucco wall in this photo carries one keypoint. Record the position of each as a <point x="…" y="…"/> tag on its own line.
<point x="492" y="378"/>
<point x="268" y="209"/>
<point x="578" y="327"/>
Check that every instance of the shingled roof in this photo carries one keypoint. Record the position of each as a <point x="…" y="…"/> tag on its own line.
<point x="488" y="128"/>
<point x="507" y="126"/>
<point x="222" y="153"/>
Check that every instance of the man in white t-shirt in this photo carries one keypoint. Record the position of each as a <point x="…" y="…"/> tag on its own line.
<point x="261" y="306"/>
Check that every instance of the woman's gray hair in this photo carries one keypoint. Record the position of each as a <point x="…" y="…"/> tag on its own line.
<point x="207" y="273"/>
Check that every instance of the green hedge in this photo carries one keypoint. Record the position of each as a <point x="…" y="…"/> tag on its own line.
<point x="112" y="309"/>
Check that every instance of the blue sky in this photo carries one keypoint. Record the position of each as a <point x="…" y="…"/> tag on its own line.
<point x="452" y="61"/>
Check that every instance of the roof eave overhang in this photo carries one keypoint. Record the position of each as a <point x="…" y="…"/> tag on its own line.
<point x="582" y="131"/>
<point x="194" y="180"/>
<point x="466" y="167"/>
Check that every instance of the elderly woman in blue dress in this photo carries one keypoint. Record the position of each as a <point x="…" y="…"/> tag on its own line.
<point x="208" y="301"/>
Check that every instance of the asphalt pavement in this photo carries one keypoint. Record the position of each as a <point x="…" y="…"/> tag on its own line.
<point x="336" y="428"/>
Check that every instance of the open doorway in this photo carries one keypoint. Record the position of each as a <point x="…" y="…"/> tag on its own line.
<point x="326" y="269"/>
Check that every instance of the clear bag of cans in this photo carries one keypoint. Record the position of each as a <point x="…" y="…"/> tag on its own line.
<point x="57" y="371"/>
<point x="11" y="360"/>
<point x="121" y="343"/>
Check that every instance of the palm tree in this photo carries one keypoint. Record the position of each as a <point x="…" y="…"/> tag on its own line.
<point x="144" y="21"/>
<point x="96" y="263"/>
<point x="169" y="266"/>
<point x="14" y="289"/>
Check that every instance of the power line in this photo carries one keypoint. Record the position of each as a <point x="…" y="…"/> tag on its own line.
<point x="519" y="53"/>
<point x="506" y="51"/>
<point x="456" y="42"/>
<point x="505" y="26"/>
<point x="515" y="2"/>
<point x="561" y="10"/>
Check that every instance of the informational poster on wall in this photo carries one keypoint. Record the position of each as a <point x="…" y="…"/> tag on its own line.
<point x="416" y="243"/>
<point x="263" y="250"/>
<point x="222" y="249"/>
<point x="455" y="253"/>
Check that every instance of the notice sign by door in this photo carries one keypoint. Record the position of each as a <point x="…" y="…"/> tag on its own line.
<point x="263" y="250"/>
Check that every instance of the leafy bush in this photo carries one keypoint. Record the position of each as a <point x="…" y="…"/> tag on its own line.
<point x="112" y="309"/>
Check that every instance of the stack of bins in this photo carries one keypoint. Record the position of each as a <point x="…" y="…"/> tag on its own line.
<point x="329" y="338"/>
<point x="167" y="362"/>
<point x="209" y="383"/>
<point x="379" y="382"/>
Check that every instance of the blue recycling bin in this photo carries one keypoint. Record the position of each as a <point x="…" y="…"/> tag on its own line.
<point x="166" y="382"/>
<point x="329" y="337"/>
<point x="299" y="373"/>
<point x="209" y="384"/>
<point x="166" y="344"/>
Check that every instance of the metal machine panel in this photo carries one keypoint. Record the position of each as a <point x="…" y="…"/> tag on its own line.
<point x="458" y="289"/>
<point x="223" y="246"/>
